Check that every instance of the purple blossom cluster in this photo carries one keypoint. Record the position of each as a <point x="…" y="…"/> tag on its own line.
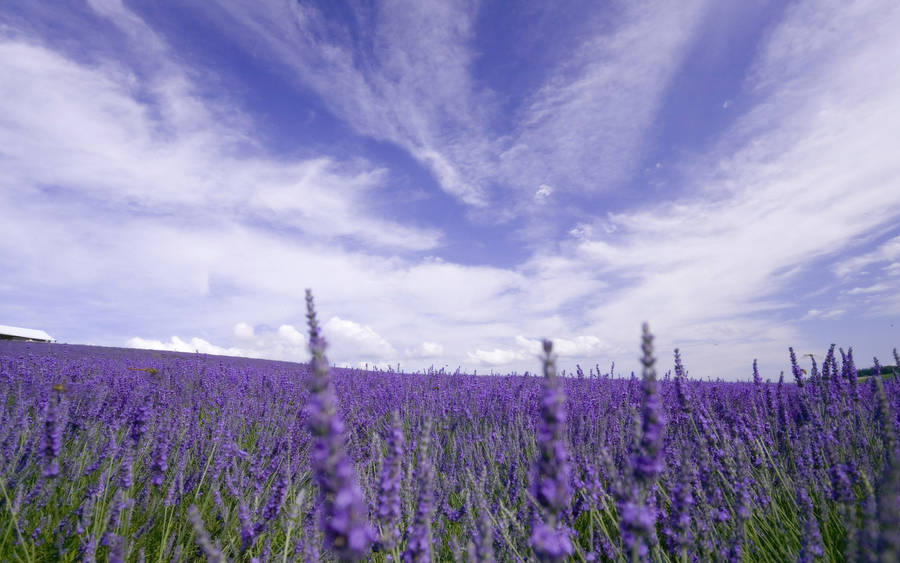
<point x="131" y="455"/>
<point x="344" y="518"/>
<point x="550" y="538"/>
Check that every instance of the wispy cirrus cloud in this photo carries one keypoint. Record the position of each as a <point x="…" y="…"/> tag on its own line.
<point x="587" y="127"/>
<point x="151" y="142"/>
<point x="400" y="75"/>
<point x="802" y="178"/>
<point x="403" y="73"/>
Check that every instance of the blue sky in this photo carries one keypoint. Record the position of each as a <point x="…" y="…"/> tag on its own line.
<point x="455" y="180"/>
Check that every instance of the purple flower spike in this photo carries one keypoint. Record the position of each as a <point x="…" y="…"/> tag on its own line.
<point x="389" y="486"/>
<point x="552" y="487"/>
<point x="551" y="544"/>
<point x="418" y="548"/>
<point x="53" y="436"/>
<point x="160" y="459"/>
<point x="276" y="500"/>
<point x="211" y="550"/>
<point x="811" y="547"/>
<point x="647" y="464"/>
<point x="637" y="513"/>
<point x="348" y="533"/>
<point x="139" y="423"/>
<point x="483" y="541"/>
<point x="795" y="368"/>
<point x="684" y="399"/>
<point x="636" y="521"/>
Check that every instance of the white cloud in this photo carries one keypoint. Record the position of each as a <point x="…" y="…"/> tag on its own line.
<point x="529" y="350"/>
<point x="820" y="314"/>
<point x="542" y="194"/>
<point x="157" y="143"/>
<point x="581" y="231"/>
<point x="886" y="252"/>
<point x="497" y="356"/>
<point x="711" y="266"/>
<point x="176" y="344"/>
<point x="426" y="350"/>
<point x="243" y="331"/>
<point x="291" y="335"/>
<point x="877" y="288"/>
<point x="353" y="340"/>
<point x="412" y="88"/>
<point x="584" y="127"/>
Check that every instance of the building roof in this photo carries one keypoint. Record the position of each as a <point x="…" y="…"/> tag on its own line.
<point x="30" y="333"/>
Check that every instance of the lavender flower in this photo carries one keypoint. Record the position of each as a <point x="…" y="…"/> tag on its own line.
<point x="126" y="478"/>
<point x="389" y="486"/>
<point x="827" y="373"/>
<point x="276" y="499"/>
<point x="811" y="546"/>
<point x="211" y="550"/>
<point x="552" y="489"/>
<point x="636" y="511"/>
<point x="116" y="545"/>
<point x="53" y="435"/>
<point x="795" y="368"/>
<point x="678" y="527"/>
<point x="647" y="464"/>
<point x="139" y="422"/>
<point x="483" y="540"/>
<point x="160" y="458"/>
<point x="343" y="518"/>
<point x="418" y="546"/>
<point x="636" y="521"/>
<point x="88" y="549"/>
<point x="681" y="392"/>
<point x="247" y="527"/>
<point x="550" y="543"/>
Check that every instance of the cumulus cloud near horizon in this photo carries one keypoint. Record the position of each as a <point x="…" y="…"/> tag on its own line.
<point x="198" y="345"/>
<point x="348" y="342"/>
<point x="578" y="347"/>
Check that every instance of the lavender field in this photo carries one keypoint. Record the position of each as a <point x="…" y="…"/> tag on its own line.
<point x="126" y="455"/>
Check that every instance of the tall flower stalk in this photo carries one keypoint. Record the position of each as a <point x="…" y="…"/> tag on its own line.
<point x="418" y="546"/>
<point x="343" y="517"/>
<point x="53" y="434"/>
<point x="550" y="539"/>
<point x="637" y="515"/>
<point x="389" y="486"/>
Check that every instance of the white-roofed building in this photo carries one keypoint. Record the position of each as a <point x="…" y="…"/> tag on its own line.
<point x="18" y="333"/>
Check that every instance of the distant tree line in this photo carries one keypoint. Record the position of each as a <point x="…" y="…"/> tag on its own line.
<point x="885" y="370"/>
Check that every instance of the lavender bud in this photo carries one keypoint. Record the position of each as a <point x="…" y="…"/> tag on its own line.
<point x="647" y="464"/>
<point x="347" y="532"/>
<point x="389" y="486"/>
<point x="212" y="551"/>
<point x="811" y="546"/>
<point x="139" y="423"/>
<point x="795" y="368"/>
<point x="52" y="437"/>
<point x="418" y="547"/>
<point x="552" y="484"/>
